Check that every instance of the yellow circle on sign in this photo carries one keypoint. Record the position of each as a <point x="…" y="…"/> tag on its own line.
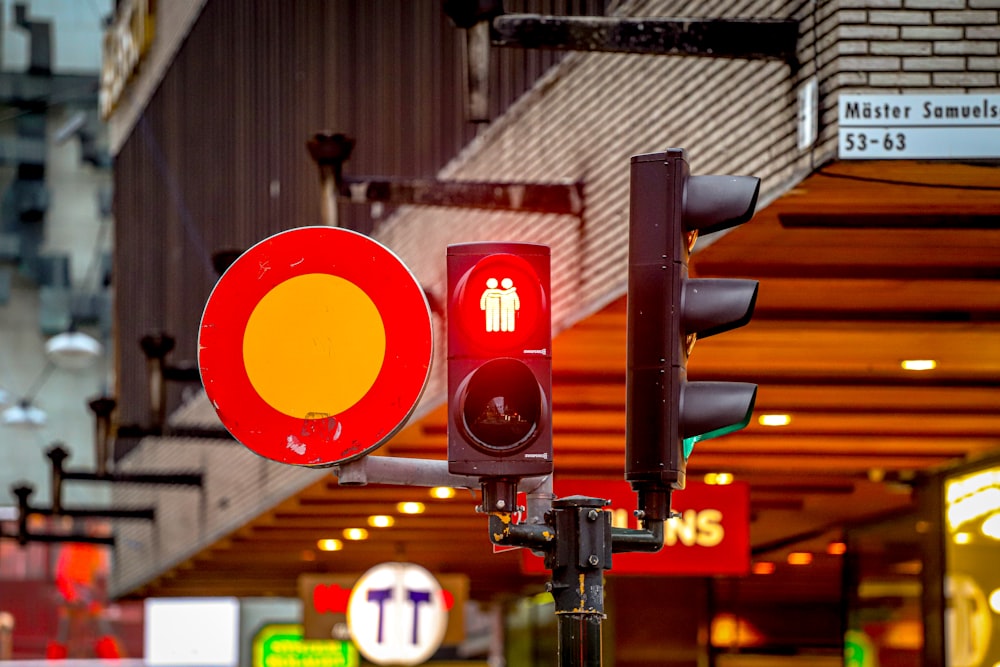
<point x="314" y="346"/>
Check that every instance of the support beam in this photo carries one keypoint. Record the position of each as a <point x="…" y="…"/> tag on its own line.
<point x="770" y="39"/>
<point x="330" y="151"/>
<point x="556" y="198"/>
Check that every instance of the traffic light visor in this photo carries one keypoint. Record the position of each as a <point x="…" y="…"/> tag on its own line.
<point x="714" y="203"/>
<point x="713" y="305"/>
<point x="711" y="409"/>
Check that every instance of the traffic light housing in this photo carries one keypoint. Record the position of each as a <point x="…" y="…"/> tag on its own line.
<point x="667" y="311"/>
<point x="499" y="361"/>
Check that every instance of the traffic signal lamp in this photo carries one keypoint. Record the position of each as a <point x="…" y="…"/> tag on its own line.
<point x="667" y="312"/>
<point x="499" y="361"/>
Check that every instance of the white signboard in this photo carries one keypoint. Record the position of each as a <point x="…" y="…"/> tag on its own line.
<point x="397" y="614"/>
<point x="879" y="127"/>
<point x="196" y="632"/>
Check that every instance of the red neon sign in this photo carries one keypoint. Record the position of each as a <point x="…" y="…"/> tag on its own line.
<point x="711" y="536"/>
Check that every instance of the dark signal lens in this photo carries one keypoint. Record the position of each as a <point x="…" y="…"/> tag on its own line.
<point x="502" y="405"/>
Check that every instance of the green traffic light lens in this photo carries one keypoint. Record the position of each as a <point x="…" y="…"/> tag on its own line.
<point x="502" y="405"/>
<point x="711" y="409"/>
<point x="690" y="442"/>
<point x="689" y="446"/>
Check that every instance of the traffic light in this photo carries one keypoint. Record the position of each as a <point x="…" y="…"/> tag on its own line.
<point x="667" y="311"/>
<point x="499" y="361"/>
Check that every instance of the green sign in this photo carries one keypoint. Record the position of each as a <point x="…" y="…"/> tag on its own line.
<point x="282" y="645"/>
<point x="858" y="650"/>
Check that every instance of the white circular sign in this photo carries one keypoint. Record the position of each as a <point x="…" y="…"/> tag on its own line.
<point x="397" y="614"/>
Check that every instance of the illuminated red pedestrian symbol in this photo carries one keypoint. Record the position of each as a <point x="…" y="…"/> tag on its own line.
<point x="500" y="305"/>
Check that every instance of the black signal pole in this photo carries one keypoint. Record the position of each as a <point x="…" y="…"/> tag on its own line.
<point x="578" y="542"/>
<point x="578" y="563"/>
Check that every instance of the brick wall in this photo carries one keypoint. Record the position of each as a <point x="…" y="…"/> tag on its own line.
<point x="594" y="111"/>
<point x="238" y="486"/>
<point x="905" y="46"/>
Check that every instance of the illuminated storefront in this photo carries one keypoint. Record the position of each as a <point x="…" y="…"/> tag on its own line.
<point x="923" y="587"/>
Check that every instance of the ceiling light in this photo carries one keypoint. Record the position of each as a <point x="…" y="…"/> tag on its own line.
<point x="763" y="567"/>
<point x="330" y="545"/>
<point x="380" y="521"/>
<point x="910" y="568"/>
<point x="73" y="350"/>
<point x="356" y="534"/>
<point x="962" y="538"/>
<point x="442" y="492"/>
<point x="800" y="558"/>
<point x="774" y="420"/>
<point x="411" y="508"/>
<point x="719" y="478"/>
<point x="730" y="631"/>
<point x="24" y="415"/>
<point x="918" y="364"/>
<point x="836" y="548"/>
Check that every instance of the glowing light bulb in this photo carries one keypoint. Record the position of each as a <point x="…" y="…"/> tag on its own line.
<point x="411" y="508"/>
<point x="330" y="545"/>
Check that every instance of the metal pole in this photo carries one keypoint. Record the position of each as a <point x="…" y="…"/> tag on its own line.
<point x="156" y="347"/>
<point x="578" y="542"/>
<point x="328" y="202"/>
<point x="57" y="456"/>
<point x="102" y="407"/>
<point x="329" y="151"/>
<point x="22" y="492"/>
<point x="582" y="553"/>
<point x="540" y="495"/>
<point x="477" y="52"/>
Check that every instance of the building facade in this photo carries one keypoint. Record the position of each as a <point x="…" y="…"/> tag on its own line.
<point x="210" y="158"/>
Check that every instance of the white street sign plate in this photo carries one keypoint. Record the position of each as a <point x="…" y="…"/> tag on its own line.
<point x="879" y="127"/>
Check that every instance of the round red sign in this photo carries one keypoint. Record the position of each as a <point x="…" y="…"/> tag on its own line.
<point x="315" y="346"/>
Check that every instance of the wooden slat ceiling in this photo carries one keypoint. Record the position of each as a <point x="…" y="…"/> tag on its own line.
<point x="860" y="267"/>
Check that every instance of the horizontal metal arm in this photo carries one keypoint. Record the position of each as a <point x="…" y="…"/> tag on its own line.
<point x="176" y="479"/>
<point x="147" y="513"/>
<point x="556" y="198"/>
<point x="48" y="537"/>
<point x="627" y="539"/>
<point x="505" y="532"/>
<point x="401" y="471"/>
<point x="773" y="39"/>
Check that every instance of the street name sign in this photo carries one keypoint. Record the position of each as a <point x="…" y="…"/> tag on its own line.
<point x="879" y="127"/>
